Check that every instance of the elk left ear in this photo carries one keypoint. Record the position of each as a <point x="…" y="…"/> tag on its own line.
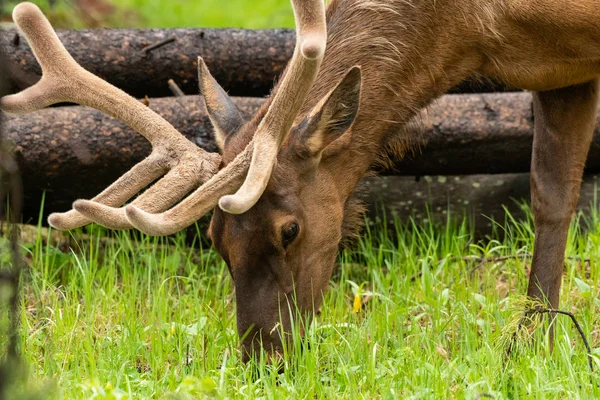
<point x="331" y="118"/>
<point x="223" y="114"/>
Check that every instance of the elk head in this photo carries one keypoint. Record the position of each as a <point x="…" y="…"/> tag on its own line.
<point x="281" y="252"/>
<point x="279" y="232"/>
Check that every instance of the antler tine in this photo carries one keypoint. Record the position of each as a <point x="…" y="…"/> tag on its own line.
<point x="64" y="80"/>
<point x="302" y="70"/>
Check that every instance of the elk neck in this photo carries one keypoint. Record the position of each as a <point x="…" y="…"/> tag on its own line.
<point x="410" y="53"/>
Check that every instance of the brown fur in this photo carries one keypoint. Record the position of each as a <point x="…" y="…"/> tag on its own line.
<point x="411" y="52"/>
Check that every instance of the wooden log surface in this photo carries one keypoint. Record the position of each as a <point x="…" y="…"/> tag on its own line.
<point x="74" y="152"/>
<point x="245" y="62"/>
<point x="482" y="199"/>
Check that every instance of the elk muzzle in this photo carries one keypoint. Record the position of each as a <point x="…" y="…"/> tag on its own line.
<point x="266" y="318"/>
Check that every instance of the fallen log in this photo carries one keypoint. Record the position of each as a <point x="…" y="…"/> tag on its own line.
<point x="141" y="61"/>
<point x="245" y="62"/>
<point x="74" y="152"/>
<point x="483" y="199"/>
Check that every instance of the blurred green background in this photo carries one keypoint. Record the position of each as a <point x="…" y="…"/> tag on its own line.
<point x="163" y="13"/>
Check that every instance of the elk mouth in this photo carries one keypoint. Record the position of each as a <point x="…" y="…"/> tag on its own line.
<point x="271" y="346"/>
<point x="256" y="345"/>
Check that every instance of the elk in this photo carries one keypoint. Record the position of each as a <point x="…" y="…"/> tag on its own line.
<point x="284" y="181"/>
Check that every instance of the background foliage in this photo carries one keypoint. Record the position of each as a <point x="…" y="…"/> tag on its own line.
<point x="165" y="13"/>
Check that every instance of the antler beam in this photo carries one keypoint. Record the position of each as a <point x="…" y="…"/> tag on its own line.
<point x="311" y="32"/>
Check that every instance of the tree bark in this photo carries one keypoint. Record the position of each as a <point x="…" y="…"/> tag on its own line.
<point x="245" y="62"/>
<point x="74" y="152"/>
<point x="483" y="199"/>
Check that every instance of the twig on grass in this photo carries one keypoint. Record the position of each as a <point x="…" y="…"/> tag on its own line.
<point x="485" y="261"/>
<point x="481" y="261"/>
<point x="512" y="257"/>
<point x="546" y="310"/>
<point x="521" y="330"/>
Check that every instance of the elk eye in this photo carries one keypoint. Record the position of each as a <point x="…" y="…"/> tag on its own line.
<point x="289" y="233"/>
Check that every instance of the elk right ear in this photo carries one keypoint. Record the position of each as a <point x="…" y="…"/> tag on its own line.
<point x="223" y="114"/>
<point x="331" y="118"/>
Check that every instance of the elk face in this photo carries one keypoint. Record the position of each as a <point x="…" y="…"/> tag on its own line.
<point x="281" y="252"/>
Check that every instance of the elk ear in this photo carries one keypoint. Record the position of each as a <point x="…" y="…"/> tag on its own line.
<point x="223" y="114"/>
<point x="331" y="118"/>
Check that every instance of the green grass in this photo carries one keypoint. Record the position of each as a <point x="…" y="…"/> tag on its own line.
<point x="154" y="318"/>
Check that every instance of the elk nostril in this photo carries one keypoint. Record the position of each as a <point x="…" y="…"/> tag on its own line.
<point x="245" y="355"/>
